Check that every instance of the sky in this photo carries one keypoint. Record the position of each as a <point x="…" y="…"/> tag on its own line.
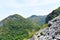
<point x="27" y="8"/>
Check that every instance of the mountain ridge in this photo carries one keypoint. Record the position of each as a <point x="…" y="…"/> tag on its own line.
<point x="53" y="14"/>
<point x="40" y="20"/>
<point x="15" y="27"/>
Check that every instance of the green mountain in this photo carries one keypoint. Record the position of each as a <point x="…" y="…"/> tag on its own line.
<point x="53" y="14"/>
<point x="15" y="27"/>
<point x="40" y="20"/>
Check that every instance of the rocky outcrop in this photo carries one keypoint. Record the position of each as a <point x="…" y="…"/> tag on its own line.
<point x="52" y="32"/>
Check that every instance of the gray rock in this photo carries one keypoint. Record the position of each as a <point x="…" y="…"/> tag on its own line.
<point x="52" y="32"/>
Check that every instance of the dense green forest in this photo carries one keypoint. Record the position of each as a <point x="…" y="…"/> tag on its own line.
<point x="15" y="27"/>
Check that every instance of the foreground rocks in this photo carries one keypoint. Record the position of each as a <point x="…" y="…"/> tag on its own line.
<point x="52" y="32"/>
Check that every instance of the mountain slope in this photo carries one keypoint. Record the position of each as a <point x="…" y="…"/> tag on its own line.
<point x="52" y="31"/>
<point x="40" y="20"/>
<point x="15" y="27"/>
<point x="53" y="14"/>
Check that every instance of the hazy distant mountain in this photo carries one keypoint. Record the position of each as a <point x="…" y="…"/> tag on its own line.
<point x="40" y="20"/>
<point x="15" y="27"/>
<point x="53" y="14"/>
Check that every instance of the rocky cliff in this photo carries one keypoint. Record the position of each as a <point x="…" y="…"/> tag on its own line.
<point x="52" y="32"/>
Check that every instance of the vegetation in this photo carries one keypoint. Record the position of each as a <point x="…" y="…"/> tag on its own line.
<point x="15" y="27"/>
<point x="43" y="26"/>
<point x="40" y="20"/>
<point x="53" y="14"/>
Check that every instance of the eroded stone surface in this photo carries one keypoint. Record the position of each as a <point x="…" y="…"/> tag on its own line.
<point x="52" y="32"/>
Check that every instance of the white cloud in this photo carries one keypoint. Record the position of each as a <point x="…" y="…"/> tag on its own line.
<point x="27" y="7"/>
<point x="10" y="4"/>
<point x="31" y="3"/>
<point x="27" y="3"/>
<point x="47" y="2"/>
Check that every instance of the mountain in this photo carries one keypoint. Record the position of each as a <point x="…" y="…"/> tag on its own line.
<point x="53" y="14"/>
<point x="40" y="20"/>
<point x="52" y="31"/>
<point x="15" y="27"/>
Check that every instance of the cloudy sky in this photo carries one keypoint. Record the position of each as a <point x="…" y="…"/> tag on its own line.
<point x="27" y="8"/>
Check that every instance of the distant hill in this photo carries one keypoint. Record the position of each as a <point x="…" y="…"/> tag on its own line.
<point x="15" y="27"/>
<point x="53" y="14"/>
<point x="40" y="20"/>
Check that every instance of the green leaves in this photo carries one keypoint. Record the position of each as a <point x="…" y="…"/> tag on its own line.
<point x="15" y="27"/>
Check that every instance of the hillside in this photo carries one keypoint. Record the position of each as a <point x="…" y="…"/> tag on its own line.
<point x="53" y="14"/>
<point x="52" y="31"/>
<point x="40" y="20"/>
<point x="15" y="27"/>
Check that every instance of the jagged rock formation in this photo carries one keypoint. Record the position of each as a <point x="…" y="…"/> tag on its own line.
<point x="52" y="32"/>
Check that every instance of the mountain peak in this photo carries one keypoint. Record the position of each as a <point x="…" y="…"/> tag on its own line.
<point x="40" y="20"/>
<point x="58" y="9"/>
<point x="33" y="16"/>
<point x="53" y="14"/>
<point x="15" y="27"/>
<point x="15" y="15"/>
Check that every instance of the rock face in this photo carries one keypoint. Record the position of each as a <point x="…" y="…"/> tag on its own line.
<point x="52" y="32"/>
